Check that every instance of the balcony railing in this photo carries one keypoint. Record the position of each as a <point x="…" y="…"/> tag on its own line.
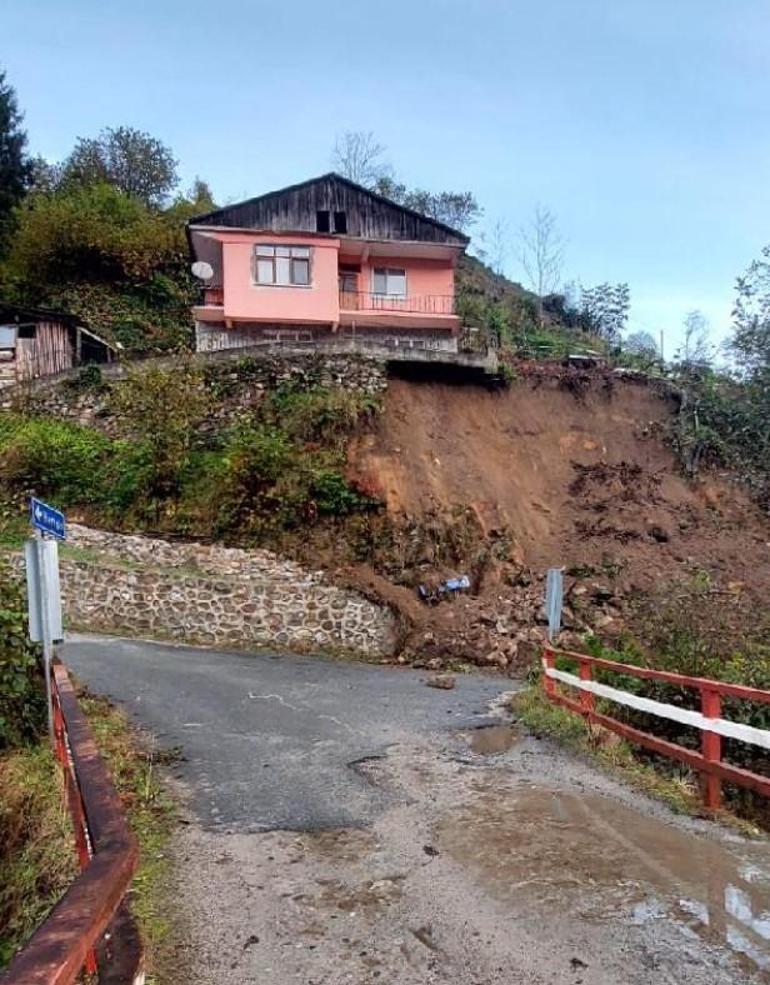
<point x="213" y="297"/>
<point x="423" y="304"/>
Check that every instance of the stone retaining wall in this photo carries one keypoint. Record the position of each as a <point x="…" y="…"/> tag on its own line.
<point x="197" y="593"/>
<point x="236" y="381"/>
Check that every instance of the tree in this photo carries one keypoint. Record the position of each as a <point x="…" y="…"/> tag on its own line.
<point x="129" y="159"/>
<point x="641" y="343"/>
<point x="541" y="254"/>
<point x="358" y="156"/>
<point x="15" y="167"/>
<point x="91" y="233"/>
<point x="750" y="343"/>
<point x="456" y="209"/>
<point x="643" y="348"/>
<point x="109" y="258"/>
<point x="696" y="352"/>
<point x="605" y="308"/>
<point x="497" y="240"/>
<point x="201" y="196"/>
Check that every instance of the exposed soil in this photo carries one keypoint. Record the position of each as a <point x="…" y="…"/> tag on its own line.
<point x="564" y="469"/>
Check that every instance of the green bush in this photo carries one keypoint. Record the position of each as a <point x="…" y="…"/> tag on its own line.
<point x="170" y="471"/>
<point x="52" y="458"/>
<point x="317" y="414"/>
<point x="332" y="494"/>
<point x="22" y="702"/>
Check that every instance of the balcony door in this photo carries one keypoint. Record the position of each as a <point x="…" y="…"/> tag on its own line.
<point x="348" y="283"/>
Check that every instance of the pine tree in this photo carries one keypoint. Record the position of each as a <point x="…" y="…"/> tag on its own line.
<point x="15" y="166"/>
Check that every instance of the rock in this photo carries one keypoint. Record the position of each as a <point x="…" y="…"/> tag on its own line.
<point x="443" y="682"/>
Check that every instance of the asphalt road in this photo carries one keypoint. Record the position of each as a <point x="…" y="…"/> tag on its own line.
<point x="271" y="741"/>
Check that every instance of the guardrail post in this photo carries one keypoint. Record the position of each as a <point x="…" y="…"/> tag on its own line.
<point x="711" y="747"/>
<point x="587" y="699"/>
<point x="549" y="684"/>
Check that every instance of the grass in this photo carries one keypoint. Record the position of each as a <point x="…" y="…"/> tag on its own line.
<point x="678" y="789"/>
<point x="134" y="768"/>
<point x="37" y="851"/>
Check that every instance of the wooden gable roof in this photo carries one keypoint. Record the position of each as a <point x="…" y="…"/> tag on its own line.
<point x="368" y="215"/>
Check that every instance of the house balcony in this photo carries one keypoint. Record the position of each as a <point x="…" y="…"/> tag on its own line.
<point x="416" y="310"/>
<point x="214" y="296"/>
<point x="423" y="304"/>
<point x="211" y="305"/>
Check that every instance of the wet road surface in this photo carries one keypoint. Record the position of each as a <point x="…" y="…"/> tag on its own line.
<point x="477" y="857"/>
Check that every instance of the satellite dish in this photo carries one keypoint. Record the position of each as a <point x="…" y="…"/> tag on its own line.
<point x="202" y="270"/>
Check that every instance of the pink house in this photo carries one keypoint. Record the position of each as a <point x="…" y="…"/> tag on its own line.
<point x="325" y="259"/>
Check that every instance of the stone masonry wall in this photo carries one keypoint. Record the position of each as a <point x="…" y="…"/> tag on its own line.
<point x="236" y="380"/>
<point x="213" y="595"/>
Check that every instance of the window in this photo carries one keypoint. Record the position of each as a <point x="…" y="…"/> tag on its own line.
<point x="7" y="336"/>
<point x="282" y="265"/>
<point x="340" y="222"/>
<point x="389" y="280"/>
<point x="322" y="221"/>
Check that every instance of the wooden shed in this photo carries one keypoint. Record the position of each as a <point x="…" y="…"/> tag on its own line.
<point x="37" y="342"/>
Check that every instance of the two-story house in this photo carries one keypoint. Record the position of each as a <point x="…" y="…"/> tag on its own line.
<point x="325" y="259"/>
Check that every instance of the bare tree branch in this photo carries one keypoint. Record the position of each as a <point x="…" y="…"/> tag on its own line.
<point x="541" y="253"/>
<point x="357" y="155"/>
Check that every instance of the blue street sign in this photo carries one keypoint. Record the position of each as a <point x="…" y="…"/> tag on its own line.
<point x="47" y="519"/>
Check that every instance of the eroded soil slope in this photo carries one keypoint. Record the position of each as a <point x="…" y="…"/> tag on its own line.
<point x="558" y="475"/>
<point x="571" y="477"/>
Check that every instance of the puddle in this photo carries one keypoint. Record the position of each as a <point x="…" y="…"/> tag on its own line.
<point x="492" y="739"/>
<point x="552" y="852"/>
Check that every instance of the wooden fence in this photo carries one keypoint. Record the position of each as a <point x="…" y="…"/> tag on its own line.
<point x="708" y="762"/>
<point x="73" y="934"/>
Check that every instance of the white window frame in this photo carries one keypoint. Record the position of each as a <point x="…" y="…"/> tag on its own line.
<point x="288" y="251"/>
<point x="390" y="271"/>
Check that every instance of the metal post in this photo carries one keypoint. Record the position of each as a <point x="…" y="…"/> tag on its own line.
<point x="45" y="625"/>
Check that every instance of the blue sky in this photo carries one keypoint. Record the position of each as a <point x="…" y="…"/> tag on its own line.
<point x="643" y="124"/>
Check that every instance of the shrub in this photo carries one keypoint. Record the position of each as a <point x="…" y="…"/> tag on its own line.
<point x="22" y="702"/>
<point x="333" y="495"/>
<point x="162" y="409"/>
<point x="317" y="414"/>
<point x="52" y="458"/>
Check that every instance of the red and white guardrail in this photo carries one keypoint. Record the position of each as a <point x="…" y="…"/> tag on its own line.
<point x="708" y="762"/>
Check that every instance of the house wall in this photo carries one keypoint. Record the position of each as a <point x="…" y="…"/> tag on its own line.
<point x="423" y="277"/>
<point x="51" y="351"/>
<point x="244" y="300"/>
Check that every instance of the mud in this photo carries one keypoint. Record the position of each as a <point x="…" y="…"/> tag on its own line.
<point x="492" y="740"/>
<point x="526" y="867"/>
<point x="551" y="850"/>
